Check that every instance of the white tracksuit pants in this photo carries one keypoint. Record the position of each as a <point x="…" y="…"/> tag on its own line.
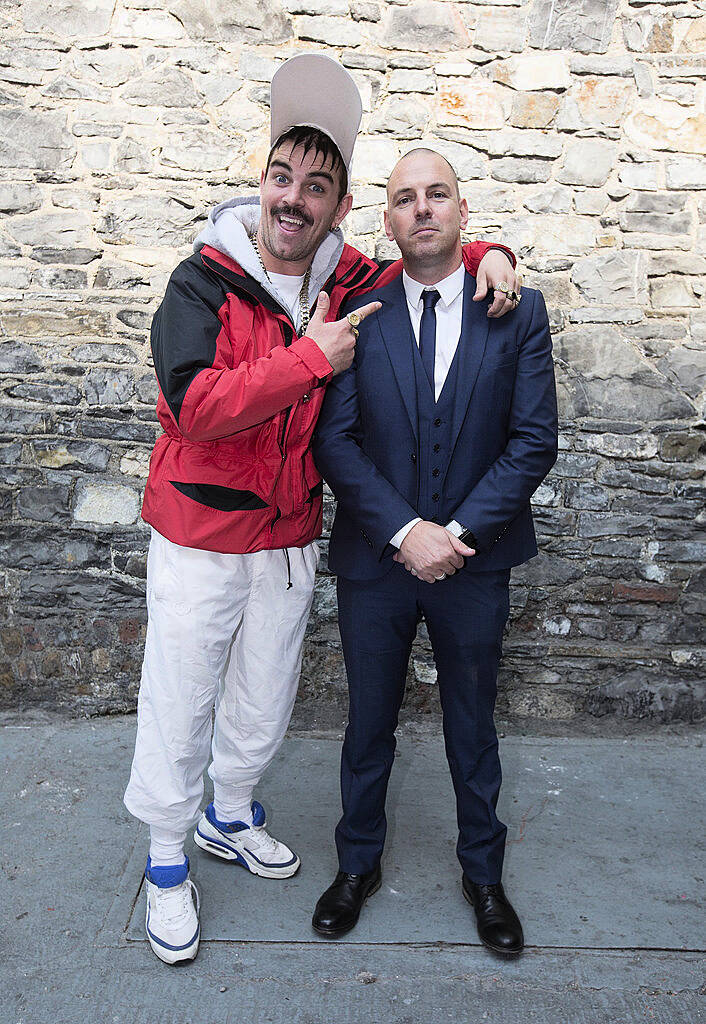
<point x="223" y="630"/>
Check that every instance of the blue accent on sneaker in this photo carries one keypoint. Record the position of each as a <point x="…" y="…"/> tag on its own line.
<point x="226" y="827"/>
<point x="223" y="826"/>
<point x="166" y="945"/>
<point x="167" y="876"/>
<point x="241" y="860"/>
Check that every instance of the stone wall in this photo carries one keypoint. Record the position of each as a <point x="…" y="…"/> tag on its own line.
<point x="578" y="131"/>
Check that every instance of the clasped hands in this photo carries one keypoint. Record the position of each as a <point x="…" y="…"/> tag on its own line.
<point x="430" y="552"/>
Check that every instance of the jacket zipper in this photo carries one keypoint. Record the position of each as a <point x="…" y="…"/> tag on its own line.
<point x="287" y="323"/>
<point x="288" y="411"/>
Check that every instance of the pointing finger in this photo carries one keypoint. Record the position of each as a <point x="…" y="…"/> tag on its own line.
<point x="364" y="311"/>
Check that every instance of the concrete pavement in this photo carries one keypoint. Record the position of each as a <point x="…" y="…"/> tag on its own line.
<point x="605" y="864"/>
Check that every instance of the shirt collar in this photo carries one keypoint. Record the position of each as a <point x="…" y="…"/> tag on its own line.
<point x="449" y="289"/>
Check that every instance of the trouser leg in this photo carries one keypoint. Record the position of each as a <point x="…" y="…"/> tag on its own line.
<point x="195" y="600"/>
<point x="378" y="620"/>
<point x="260" y="682"/>
<point x="465" y="616"/>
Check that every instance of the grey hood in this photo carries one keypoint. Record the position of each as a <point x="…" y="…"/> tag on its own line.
<point x="229" y="227"/>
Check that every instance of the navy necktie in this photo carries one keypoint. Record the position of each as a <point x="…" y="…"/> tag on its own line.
<point x="427" y="335"/>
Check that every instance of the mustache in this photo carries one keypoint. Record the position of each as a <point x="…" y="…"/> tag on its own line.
<point x="288" y="211"/>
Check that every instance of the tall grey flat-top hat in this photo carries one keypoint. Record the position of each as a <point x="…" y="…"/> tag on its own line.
<point x="313" y="90"/>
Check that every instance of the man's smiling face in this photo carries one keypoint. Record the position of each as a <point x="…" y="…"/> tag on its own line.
<point x="300" y="203"/>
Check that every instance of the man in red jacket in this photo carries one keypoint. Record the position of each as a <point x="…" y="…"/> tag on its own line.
<point x="243" y="349"/>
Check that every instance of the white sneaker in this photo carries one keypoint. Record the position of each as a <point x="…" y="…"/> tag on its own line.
<point x="172" y="916"/>
<point x="249" y="845"/>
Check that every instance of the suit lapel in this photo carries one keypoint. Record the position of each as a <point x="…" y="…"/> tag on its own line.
<point x="397" y="335"/>
<point x="472" y="343"/>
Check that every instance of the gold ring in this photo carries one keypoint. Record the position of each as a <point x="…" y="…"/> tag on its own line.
<point x="503" y="287"/>
<point x="354" y="331"/>
<point x="354" y="320"/>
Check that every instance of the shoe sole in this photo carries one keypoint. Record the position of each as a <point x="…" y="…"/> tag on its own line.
<point x="503" y="950"/>
<point x="242" y="858"/>
<point x="333" y="933"/>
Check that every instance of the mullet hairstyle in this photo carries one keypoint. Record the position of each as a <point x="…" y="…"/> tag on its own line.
<point x="323" y="146"/>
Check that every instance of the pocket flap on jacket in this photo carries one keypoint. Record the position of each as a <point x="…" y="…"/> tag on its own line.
<point x="225" y="499"/>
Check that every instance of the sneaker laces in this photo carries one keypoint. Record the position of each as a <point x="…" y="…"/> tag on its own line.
<point x="174" y="904"/>
<point x="263" y="838"/>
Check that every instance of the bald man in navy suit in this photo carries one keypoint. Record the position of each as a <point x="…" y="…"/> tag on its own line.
<point x="433" y="443"/>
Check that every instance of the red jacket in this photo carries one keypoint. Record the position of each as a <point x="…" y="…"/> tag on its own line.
<point x="239" y="398"/>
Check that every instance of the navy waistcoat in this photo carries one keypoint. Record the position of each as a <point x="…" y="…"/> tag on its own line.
<point x="435" y="423"/>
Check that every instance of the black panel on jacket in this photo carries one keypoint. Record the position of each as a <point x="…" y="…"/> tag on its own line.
<point x="185" y="329"/>
<point x="225" y="499"/>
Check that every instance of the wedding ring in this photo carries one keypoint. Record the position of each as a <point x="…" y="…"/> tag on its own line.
<point x="442" y="577"/>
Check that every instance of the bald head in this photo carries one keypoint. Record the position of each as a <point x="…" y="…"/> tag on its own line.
<point x="425" y="215"/>
<point x="416" y="156"/>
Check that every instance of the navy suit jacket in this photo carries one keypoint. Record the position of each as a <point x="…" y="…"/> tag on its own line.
<point x="504" y="433"/>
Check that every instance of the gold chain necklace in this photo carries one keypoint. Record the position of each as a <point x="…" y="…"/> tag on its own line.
<point x="304" y="311"/>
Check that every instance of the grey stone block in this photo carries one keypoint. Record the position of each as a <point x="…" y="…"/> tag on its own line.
<point x="52" y="393"/>
<point x="523" y="171"/>
<point x="16" y="357"/>
<point x="43" y="144"/>
<point x="99" y="352"/>
<point x="52" y="254"/>
<point x="19" y="198"/>
<point x="30" y="547"/>
<point x="79" y="591"/>
<point x="48" y="504"/>
<point x="115" y="430"/>
<point x="426" y="26"/>
<point x="563" y="25"/>
<point x="16" y="420"/>
<point x="109" y="386"/>
<point x="82" y="455"/>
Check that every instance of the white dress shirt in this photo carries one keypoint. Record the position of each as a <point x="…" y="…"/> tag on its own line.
<point x="449" y="311"/>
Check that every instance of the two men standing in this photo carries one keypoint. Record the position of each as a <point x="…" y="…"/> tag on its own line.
<point x="243" y="351"/>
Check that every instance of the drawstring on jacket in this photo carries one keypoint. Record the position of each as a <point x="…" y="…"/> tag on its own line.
<point x="289" y="568"/>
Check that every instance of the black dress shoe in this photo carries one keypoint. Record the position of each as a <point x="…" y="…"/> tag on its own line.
<point x="339" y="907"/>
<point x="499" y="926"/>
